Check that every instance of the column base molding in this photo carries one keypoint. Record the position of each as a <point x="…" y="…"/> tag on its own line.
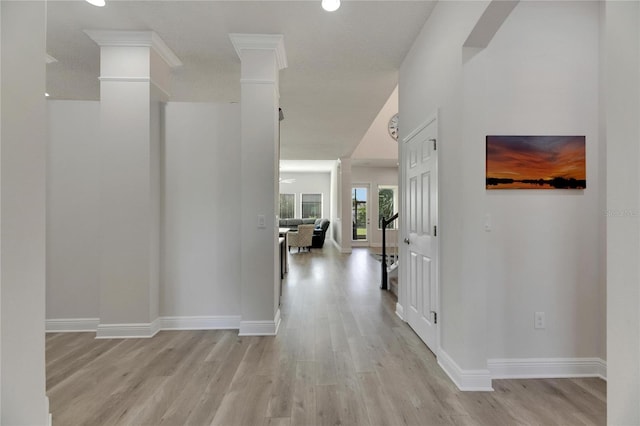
<point x="465" y="380"/>
<point x="128" y="331"/>
<point x="260" y="328"/>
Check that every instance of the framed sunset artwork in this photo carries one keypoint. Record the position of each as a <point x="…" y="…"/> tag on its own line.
<point x="536" y="162"/>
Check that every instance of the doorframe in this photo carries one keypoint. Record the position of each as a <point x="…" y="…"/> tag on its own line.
<point x="367" y="242"/>
<point x="403" y="294"/>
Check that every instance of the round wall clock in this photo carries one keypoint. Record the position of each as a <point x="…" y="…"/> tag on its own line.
<point x="393" y="127"/>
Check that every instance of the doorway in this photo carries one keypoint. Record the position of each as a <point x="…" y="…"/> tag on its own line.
<point x="420" y="254"/>
<point x="360" y="213"/>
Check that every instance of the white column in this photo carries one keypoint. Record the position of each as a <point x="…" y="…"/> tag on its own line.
<point x="622" y="93"/>
<point x="22" y="214"/>
<point x="134" y="77"/>
<point x="347" y="210"/>
<point x="262" y="57"/>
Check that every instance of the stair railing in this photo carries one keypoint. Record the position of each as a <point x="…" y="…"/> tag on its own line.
<point x="385" y="223"/>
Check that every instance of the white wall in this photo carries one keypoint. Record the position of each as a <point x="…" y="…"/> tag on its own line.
<point x="308" y="183"/>
<point x="23" y="194"/>
<point x="543" y="251"/>
<point x="622" y="92"/>
<point x="344" y="182"/>
<point x="337" y="189"/>
<point x="430" y="81"/>
<point x="376" y="142"/>
<point x="201" y="227"/>
<point x="200" y="263"/>
<point x="156" y="125"/>
<point x="375" y="176"/>
<point x="72" y="209"/>
<point x="335" y="203"/>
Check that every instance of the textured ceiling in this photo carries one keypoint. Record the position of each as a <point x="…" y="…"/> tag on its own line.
<point x="342" y="65"/>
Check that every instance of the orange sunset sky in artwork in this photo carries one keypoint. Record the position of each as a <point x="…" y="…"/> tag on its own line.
<point x="536" y="157"/>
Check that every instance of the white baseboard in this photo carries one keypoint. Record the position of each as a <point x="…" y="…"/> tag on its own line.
<point x="400" y="311"/>
<point x="49" y="414"/>
<point x="530" y="368"/>
<point x="71" y="325"/>
<point x="127" y="331"/>
<point x="379" y="245"/>
<point x="340" y="249"/>
<point x="260" y="328"/>
<point x="230" y="322"/>
<point x="465" y="380"/>
<point x="145" y="330"/>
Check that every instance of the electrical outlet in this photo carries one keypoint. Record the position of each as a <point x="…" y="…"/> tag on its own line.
<point x="538" y="320"/>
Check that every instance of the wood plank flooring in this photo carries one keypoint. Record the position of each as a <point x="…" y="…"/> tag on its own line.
<point x="341" y="357"/>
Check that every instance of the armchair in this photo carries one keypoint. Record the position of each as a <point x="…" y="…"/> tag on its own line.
<point x="302" y="238"/>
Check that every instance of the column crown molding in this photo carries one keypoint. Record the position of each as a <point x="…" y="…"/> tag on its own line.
<point x="261" y="42"/>
<point x="135" y="39"/>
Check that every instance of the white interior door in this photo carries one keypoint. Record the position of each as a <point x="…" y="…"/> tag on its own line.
<point x="420" y="232"/>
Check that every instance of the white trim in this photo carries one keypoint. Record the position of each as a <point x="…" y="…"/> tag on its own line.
<point x="257" y="81"/>
<point x="145" y="330"/>
<point x="379" y="245"/>
<point x="400" y="310"/>
<point x="346" y="250"/>
<point x="273" y="42"/>
<point x="274" y="83"/>
<point x="531" y="368"/>
<point x="135" y="39"/>
<point x="126" y="79"/>
<point x="71" y="325"/>
<point x="74" y="325"/>
<point x="49" y="420"/>
<point x="340" y="248"/>
<point x="120" y="331"/>
<point x="260" y="328"/>
<point x="465" y="380"/>
<point x="420" y="127"/>
<point x="230" y="322"/>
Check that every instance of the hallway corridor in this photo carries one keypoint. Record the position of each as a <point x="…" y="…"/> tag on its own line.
<point x="341" y="357"/>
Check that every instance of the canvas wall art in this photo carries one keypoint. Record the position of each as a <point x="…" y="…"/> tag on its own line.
<point x="536" y="162"/>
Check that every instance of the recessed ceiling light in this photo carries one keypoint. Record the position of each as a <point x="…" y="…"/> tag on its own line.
<point x="46" y="95"/>
<point x="98" y="3"/>
<point x="328" y="5"/>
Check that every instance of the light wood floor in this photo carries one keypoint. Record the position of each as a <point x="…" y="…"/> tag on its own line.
<point x="341" y="357"/>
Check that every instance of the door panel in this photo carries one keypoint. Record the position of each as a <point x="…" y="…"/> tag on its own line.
<point x="425" y="213"/>
<point x="413" y="279"/>
<point x="425" y="298"/>
<point x="413" y="208"/>
<point x="421" y="189"/>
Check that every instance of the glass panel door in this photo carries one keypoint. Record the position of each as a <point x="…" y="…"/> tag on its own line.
<point x="359" y="213"/>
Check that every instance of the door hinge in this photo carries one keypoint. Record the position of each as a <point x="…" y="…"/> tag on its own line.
<point x="435" y="317"/>
<point x="435" y="231"/>
<point x="434" y="144"/>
